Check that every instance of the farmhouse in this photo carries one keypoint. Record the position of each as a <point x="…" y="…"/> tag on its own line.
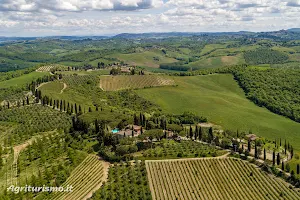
<point x="128" y="131"/>
<point x="251" y="137"/>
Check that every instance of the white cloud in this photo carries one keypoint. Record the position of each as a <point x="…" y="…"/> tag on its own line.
<point x="77" y="5"/>
<point x="115" y="16"/>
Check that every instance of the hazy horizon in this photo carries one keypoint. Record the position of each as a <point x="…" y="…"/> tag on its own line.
<point x="106" y="17"/>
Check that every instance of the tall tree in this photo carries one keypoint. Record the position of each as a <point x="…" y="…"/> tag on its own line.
<point x="61" y="105"/>
<point x="191" y="132"/>
<point x="274" y="158"/>
<point x="298" y="169"/>
<point x="210" y="135"/>
<point x="249" y="145"/>
<point x="280" y="142"/>
<point x="255" y="151"/>
<point x="76" y="111"/>
<point x="200" y="135"/>
<point x="265" y="154"/>
<point x="79" y="110"/>
<point x="278" y="159"/>
<point x="196" y="132"/>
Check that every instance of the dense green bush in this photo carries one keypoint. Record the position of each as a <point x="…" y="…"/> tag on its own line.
<point x="265" y="56"/>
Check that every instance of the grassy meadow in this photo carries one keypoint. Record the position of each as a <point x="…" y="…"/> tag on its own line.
<point x="222" y="101"/>
<point x="145" y="58"/>
<point x="22" y="80"/>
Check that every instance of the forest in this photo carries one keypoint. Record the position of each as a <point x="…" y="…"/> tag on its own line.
<point x="265" y="56"/>
<point x="275" y="89"/>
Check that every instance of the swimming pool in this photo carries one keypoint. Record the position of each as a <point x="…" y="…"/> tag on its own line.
<point x="115" y="130"/>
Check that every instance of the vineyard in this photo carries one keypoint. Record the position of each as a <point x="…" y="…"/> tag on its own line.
<point x="48" y="68"/>
<point x="34" y="119"/>
<point x="216" y="178"/>
<point x="125" y="181"/>
<point x="85" y="178"/>
<point x="134" y="82"/>
<point x="187" y="149"/>
<point x="75" y="80"/>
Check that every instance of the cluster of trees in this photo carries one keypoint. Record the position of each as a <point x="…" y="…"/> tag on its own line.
<point x="200" y="133"/>
<point x="125" y="181"/>
<point x="14" y="74"/>
<point x="52" y="158"/>
<point x="33" y="119"/>
<point x="265" y="56"/>
<point x="275" y="89"/>
<point x="178" y="66"/>
<point x="61" y="105"/>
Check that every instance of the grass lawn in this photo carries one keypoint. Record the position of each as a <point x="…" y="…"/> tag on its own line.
<point x="219" y="98"/>
<point x="215" y="62"/>
<point x="22" y="80"/>
<point x="145" y="58"/>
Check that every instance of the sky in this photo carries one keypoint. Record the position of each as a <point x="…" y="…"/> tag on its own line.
<point x="109" y="17"/>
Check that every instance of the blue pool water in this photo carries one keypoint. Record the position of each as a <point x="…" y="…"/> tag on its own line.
<point x="115" y="131"/>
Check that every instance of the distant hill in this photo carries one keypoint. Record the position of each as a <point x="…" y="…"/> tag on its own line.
<point x="11" y="39"/>
<point x="176" y="34"/>
<point x="294" y="30"/>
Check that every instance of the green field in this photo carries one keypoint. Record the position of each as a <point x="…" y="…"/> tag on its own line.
<point x="145" y="58"/>
<point x="219" y="98"/>
<point x="214" y="62"/>
<point x="22" y="80"/>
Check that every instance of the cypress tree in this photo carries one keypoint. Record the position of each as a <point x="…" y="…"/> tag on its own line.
<point x="144" y="120"/>
<point x="76" y="111"/>
<point x="200" y="135"/>
<point x="79" y="110"/>
<point x="298" y="169"/>
<point x="249" y="146"/>
<point x="141" y="120"/>
<point x="273" y="158"/>
<point x="64" y="105"/>
<point x="61" y="105"/>
<point x="282" y="166"/>
<point x="191" y="132"/>
<point x="72" y="109"/>
<point x="255" y="151"/>
<point x="265" y="154"/>
<point x="196" y="132"/>
<point x="278" y="159"/>
<point x="141" y="130"/>
<point x="285" y="146"/>
<point x="90" y="109"/>
<point x="210" y="135"/>
<point x="135" y="120"/>
<point x="280" y="141"/>
<point x="27" y="100"/>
